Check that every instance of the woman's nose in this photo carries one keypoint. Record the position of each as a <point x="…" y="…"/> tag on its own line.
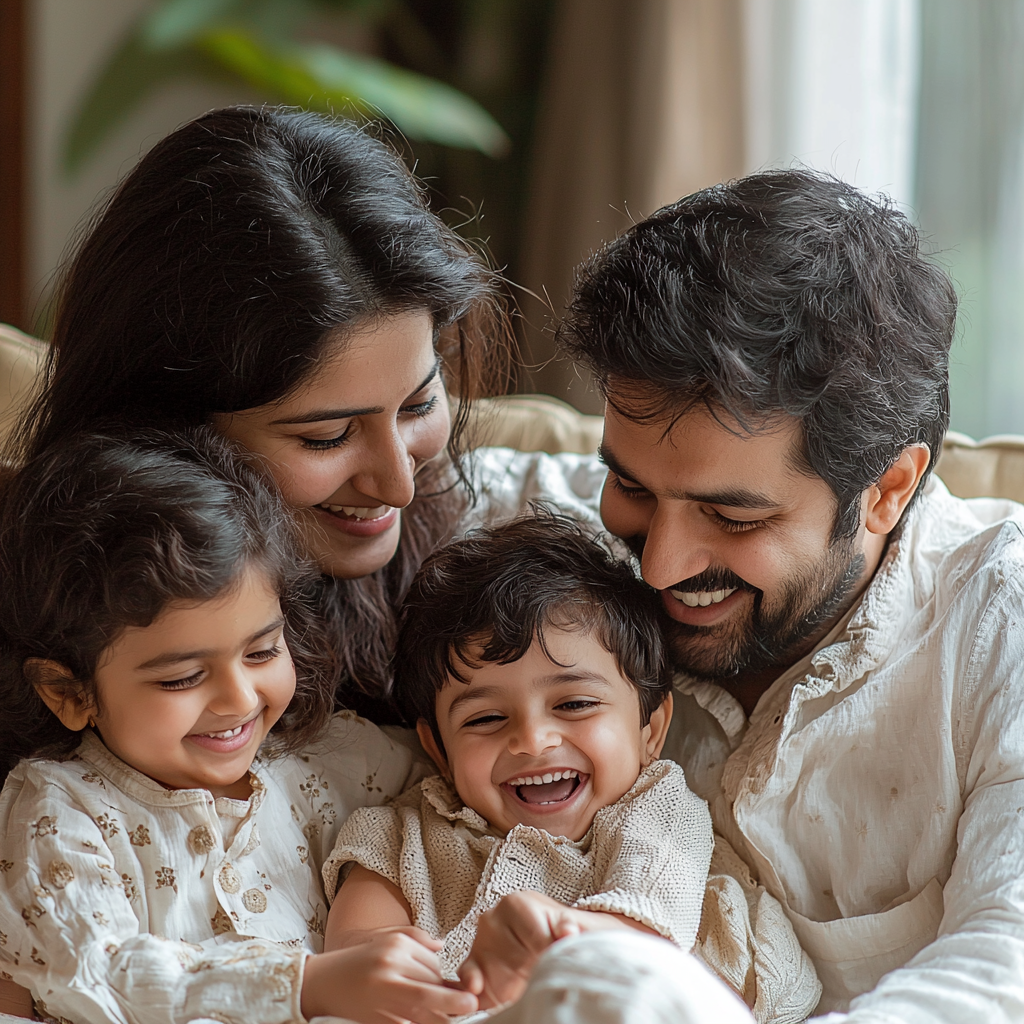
<point x="389" y="471"/>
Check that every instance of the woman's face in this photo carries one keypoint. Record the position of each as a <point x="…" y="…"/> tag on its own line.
<point x="345" y="447"/>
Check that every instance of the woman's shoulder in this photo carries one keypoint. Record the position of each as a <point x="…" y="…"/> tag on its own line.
<point x="506" y="481"/>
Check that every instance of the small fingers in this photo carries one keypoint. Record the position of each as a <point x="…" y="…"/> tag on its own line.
<point x="471" y="976"/>
<point x="435" y="1004"/>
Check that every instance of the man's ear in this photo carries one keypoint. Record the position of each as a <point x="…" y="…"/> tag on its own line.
<point x="430" y="745"/>
<point x="661" y="719"/>
<point x="887" y="499"/>
<point x="60" y="691"/>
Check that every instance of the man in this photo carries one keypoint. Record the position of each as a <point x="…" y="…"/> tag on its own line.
<point x="850" y="637"/>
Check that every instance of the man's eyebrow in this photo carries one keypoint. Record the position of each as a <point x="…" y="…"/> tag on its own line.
<point x="319" y="415"/>
<point x="555" y="679"/>
<point x="729" y="497"/>
<point x="174" y="657"/>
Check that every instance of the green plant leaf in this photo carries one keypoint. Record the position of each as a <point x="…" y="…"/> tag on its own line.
<point x="268" y="69"/>
<point x="131" y="74"/>
<point x="180" y="21"/>
<point x="324" y="78"/>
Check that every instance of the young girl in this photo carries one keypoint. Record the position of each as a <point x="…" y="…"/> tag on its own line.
<point x="160" y="667"/>
<point x="532" y="665"/>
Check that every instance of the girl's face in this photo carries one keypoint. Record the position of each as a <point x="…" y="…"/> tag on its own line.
<point x="188" y="699"/>
<point x="547" y="740"/>
<point x="346" y="446"/>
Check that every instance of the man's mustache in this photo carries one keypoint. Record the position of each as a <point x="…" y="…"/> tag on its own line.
<point x="710" y="580"/>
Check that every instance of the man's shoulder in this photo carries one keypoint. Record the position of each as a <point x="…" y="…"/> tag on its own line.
<point x="951" y="542"/>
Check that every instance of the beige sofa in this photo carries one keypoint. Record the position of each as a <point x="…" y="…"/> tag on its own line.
<point x="971" y="469"/>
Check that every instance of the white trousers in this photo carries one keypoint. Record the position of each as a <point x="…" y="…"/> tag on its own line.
<point x="622" y="977"/>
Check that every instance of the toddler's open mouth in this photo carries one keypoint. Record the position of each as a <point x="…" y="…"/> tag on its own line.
<point x="547" y="788"/>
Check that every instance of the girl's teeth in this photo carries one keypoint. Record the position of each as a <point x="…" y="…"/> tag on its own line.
<point x="226" y="735"/>
<point x="701" y="598"/>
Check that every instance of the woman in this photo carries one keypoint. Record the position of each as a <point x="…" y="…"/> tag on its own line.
<point x="279" y="274"/>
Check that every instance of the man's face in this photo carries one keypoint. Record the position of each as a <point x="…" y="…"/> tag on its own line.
<point x="735" y="537"/>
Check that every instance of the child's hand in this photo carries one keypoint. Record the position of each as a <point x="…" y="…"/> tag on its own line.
<point x="382" y="976"/>
<point x="509" y="940"/>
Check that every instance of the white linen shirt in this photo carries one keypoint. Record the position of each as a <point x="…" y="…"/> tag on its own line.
<point x="878" y="788"/>
<point x="122" y="902"/>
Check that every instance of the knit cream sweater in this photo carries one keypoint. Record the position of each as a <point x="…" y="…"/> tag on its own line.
<point x="645" y="857"/>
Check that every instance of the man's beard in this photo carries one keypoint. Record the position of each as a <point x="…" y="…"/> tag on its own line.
<point x="774" y="634"/>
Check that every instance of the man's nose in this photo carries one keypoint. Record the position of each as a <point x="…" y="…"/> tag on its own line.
<point x="673" y="551"/>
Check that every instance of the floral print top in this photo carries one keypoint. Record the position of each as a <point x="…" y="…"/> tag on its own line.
<point x="122" y="901"/>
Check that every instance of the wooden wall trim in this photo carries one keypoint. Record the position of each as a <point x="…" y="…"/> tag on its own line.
<point x="13" y="138"/>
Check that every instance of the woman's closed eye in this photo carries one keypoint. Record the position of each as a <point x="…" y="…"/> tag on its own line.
<point x="421" y="409"/>
<point x="322" y="444"/>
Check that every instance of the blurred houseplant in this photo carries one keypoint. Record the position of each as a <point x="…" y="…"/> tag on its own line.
<point x="260" y="43"/>
<point x="459" y="79"/>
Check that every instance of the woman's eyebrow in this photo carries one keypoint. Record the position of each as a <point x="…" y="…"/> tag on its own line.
<point x="319" y="415"/>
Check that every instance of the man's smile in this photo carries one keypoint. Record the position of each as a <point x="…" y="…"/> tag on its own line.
<point x="679" y="605"/>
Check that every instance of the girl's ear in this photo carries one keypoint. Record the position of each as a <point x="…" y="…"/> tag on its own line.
<point x="429" y="742"/>
<point x="60" y="691"/>
<point x="657" y="728"/>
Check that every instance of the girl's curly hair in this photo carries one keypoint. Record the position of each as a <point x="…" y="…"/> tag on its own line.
<point x="103" y="532"/>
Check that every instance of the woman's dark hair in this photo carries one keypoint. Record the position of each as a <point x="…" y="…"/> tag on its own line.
<point x="784" y="292"/>
<point x="217" y="278"/>
<point x="486" y="598"/>
<point x="102" y="532"/>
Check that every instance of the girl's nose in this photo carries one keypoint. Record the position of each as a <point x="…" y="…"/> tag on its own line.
<point x="235" y="694"/>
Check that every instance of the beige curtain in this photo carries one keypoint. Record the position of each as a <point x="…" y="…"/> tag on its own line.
<point x="642" y="104"/>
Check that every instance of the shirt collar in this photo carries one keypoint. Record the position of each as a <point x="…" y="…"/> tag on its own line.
<point x="93" y="751"/>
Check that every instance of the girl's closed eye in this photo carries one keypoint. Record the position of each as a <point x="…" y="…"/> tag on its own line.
<point x="182" y="684"/>
<point x="267" y="654"/>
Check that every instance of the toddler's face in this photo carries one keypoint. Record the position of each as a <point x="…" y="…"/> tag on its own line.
<point x="545" y="744"/>
<point x="188" y="699"/>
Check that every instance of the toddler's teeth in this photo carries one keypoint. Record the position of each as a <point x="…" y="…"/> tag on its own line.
<point x="548" y="777"/>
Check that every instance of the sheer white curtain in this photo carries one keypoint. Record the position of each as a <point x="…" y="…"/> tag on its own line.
<point x="832" y="84"/>
<point x="922" y="100"/>
<point x="970" y="197"/>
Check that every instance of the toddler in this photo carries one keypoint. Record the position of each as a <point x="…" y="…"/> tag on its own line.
<point x="162" y="846"/>
<point x="533" y="667"/>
